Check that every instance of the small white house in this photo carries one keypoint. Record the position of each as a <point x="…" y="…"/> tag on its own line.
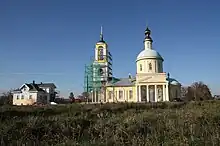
<point x="29" y="94"/>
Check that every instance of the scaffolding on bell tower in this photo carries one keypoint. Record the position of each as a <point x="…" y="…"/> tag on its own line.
<point x="92" y="81"/>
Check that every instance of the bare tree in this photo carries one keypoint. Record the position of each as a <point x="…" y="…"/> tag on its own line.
<point x="197" y="91"/>
<point x="85" y="94"/>
<point x="189" y="94"/>
<point x="183" y="92"/>
<point x="7" y="98"/>
<point x="201" y="91"/>
<point x="86" y="97"/>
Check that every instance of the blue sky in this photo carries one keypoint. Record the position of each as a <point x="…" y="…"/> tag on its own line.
<point x="52" y="40"/>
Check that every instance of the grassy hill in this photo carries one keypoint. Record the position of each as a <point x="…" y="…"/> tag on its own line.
<point x="153" y="124"/>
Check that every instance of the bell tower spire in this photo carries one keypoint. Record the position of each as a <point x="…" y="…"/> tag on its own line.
<point x="148" y="40"/>
<point x="101" y="35"/>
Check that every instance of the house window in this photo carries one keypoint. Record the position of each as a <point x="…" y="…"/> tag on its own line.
<point x="150" y="66"/>
<point x="30" y="97"/>
<point x="120" y="94"/>
<point x="140" y="67"/>
<point x="110" y="94"/>
<point x="22" y="96"/>
<point x="130" y="94"/>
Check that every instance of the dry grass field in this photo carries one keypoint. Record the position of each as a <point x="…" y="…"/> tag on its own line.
<point x="150" y="124"/>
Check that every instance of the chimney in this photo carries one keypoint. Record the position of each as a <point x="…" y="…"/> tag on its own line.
<point x="33" y="82"/>
<point x="129" y="76"/>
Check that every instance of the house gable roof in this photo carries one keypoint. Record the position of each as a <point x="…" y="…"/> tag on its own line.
<point x="36" y="87"/>
<point x="50" y="85"/>
<point x="32" y="87"/>
<point x="23" y="87"/>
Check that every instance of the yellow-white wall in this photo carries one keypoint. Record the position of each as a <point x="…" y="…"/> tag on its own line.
<point x="174" y="92"/>
<point x="28" y="98"/>
<point x="125" y="95"/>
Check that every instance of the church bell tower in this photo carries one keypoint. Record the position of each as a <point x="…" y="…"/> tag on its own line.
<point x="103" y="58"/>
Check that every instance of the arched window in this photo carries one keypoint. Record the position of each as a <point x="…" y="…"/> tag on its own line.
<point x="140" y="67"/>
<point x="100" y="54"/>
<point x="101" y="72"/>
<point x="150" y="66"/>
<point x="148" y="44"/>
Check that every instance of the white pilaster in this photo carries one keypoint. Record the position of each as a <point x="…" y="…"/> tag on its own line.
<point x="92" y="95"/>
<point x="139" y="90"/>
<point x="155" y="91"/>
<point x="101" y="96"/>
<point x="167" y="92"/>
<point x="136" y="91"/>
<point x="105" y="96"/>
<point x="98" y="96"/>
<point x="113" y="95"/>
<point x="164" y="93"/>
<point x="128" y="95"/>
<point x="116" y="96"/>
<point x="147" y="92"/>
<point x="124" y="94"/>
